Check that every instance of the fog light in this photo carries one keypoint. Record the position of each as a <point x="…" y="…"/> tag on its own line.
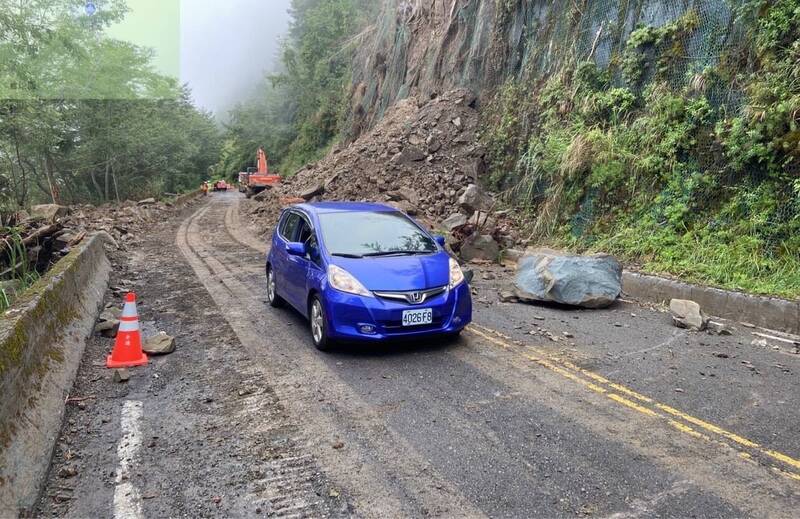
<point x="367" y="329"/>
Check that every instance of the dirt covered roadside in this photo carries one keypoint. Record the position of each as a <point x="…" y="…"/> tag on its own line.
<point x="195" y="433"/>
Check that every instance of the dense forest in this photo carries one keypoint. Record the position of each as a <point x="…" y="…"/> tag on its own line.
<point x="85" y="118"/>
<point x="300" y="110"/>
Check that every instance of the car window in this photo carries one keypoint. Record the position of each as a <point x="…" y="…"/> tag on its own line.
<point x="373" y="233"/>
<point x="304" y="232"/>
<point x="289" y="226"/>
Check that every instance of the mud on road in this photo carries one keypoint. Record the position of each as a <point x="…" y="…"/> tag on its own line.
<point x="247" y="418"/>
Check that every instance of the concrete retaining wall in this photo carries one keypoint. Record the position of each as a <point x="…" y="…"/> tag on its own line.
<point x="42" y="338"/>
<point x="766" y="312"/>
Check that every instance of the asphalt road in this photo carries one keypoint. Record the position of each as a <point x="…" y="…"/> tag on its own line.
<point x="535" y="412"/>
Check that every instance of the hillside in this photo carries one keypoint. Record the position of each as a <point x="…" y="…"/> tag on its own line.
<point x="663" y="132"/>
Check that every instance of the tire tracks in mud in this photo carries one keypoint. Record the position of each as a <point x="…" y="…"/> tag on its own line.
<point x="383" y="474"/>
<point x="708" y="467"/>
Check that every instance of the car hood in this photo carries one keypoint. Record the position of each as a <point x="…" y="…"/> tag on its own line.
<point x="399" y="273"/>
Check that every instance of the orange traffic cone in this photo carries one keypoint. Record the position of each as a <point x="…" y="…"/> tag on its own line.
<point x="128" y="348"/>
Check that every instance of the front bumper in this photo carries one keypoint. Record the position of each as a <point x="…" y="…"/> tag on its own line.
<point x="348" y="314"/>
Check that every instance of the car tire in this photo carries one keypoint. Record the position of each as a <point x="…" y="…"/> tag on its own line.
<point x="274" y="300"/>
<point x="318" y="325"/>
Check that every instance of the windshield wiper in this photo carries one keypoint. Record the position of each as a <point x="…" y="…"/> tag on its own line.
<point x="345" y="255"/>
<point x="398" y="253"/>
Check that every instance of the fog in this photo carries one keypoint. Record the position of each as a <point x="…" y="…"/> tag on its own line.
<point x="227" y="47"/>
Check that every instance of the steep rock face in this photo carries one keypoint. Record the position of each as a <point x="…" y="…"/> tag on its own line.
<point x="425" y="47"/>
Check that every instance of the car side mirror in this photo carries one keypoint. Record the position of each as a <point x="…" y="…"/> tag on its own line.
<point x="296" y="249"/>
<point x="441" y="240"/>
<point x="469" y="274"/>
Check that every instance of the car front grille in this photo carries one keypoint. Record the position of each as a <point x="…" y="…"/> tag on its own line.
<point x="412" y="297"/>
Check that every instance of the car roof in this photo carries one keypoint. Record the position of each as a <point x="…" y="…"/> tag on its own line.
<point x="345" y="207"/>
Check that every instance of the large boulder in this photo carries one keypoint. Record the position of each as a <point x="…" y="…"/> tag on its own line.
<point x="587" y="281"/>
<point x="480" y="247"/>
<point x="49" y="212"/>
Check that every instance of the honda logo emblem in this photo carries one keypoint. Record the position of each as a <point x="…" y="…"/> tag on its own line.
<point x="415" y="297"/>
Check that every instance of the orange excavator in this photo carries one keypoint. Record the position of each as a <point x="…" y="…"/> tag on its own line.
<point x="256" y="180"/>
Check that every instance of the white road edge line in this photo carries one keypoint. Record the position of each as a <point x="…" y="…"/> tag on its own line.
<point x="127" y="502"/>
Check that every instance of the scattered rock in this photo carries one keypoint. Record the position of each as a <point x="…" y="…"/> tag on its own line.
<point x="338" y="445"/>
<point x="482" y="221"/>
<point x="718" y="328"/>
<point x="454" y="220"/>
<point x="472" y="199"/>
<point x="480" y="247"/>
<point x="405" y="193"/>
<point x="507" y="296"/>
<point x="121" y="375"/>
<point x="147" y="201"/>
<point x="311" y="192"/>
<point x="49" y="212"/>
<point x="512" y="256"/>
<point x="67" y="472"/>
<point x="585" y="281"/>
<point x="687" y="314"/>
<point x="107" y="328"/>
<point x="410" y="154"/>
<point x="159" y="344"/>
<point x="433" y="144"/>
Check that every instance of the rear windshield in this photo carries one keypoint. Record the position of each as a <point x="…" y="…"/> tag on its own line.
<point x="373" y="234"/>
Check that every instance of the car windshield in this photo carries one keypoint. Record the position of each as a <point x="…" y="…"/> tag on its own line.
<point x="359" y="234"/>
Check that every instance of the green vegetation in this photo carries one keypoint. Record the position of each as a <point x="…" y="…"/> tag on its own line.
<point x="624" y="160"/>
<point x="85" y="118"/>
<point x="299" y="112"/>
<point x="20" y="275"/>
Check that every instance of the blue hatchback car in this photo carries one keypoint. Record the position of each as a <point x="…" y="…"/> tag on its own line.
<point x="365" y="272"/>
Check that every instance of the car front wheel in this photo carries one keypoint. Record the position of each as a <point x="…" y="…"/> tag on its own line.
<point x="274" y="300"/>
<point x="319" y="326"/>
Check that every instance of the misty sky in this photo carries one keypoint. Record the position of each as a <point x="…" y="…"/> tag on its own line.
<point x="227" y="46"/>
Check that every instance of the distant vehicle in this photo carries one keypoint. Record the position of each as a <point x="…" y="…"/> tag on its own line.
<point x="365" y="272"/>
<point x="256" y="180"/>
<point x="220" y="185"/>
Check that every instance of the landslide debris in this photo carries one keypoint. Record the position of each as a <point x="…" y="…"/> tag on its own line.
<point x="422" y="158"/>
<point x="50" y="231"/>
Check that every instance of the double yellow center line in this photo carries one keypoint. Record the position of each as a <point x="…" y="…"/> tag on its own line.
<point x="780" y="463"/>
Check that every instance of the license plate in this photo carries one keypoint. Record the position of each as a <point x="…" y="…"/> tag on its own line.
<point x="417" y="317"/>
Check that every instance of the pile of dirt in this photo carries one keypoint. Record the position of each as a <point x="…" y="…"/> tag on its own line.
<point x="421" y="158"/>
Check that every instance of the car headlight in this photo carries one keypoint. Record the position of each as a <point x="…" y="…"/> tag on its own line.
<point x="456" y="274"/>
<point x="342" y="280"/>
